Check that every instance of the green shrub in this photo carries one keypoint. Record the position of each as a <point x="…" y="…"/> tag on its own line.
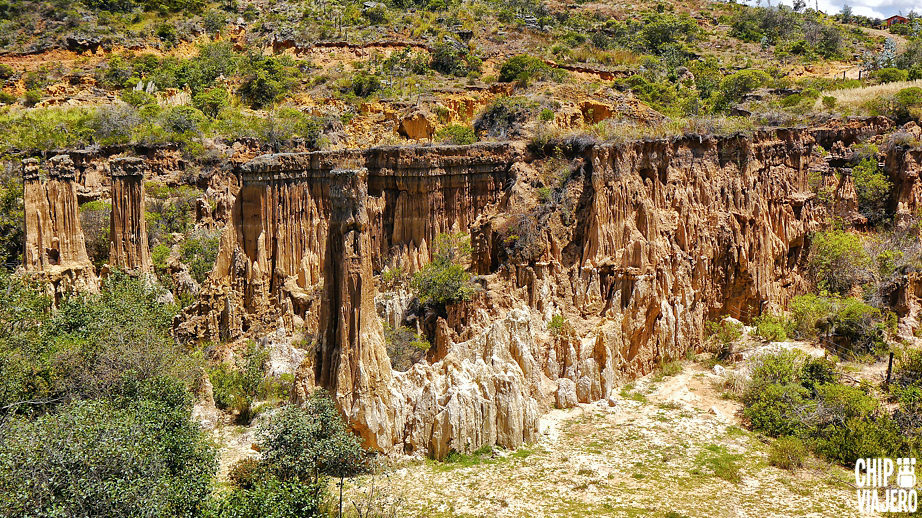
<point x="444" y="280"/>
<point x="214" y="21"/>
<point x="269" y="497"/>
<point x="843" y="402"/>
<point x="787" y="453"/>
<point x="246" y="473"/>
<point x="28" y="369"/>
<point x="774" y="328"/>
<point x="393" y="278"/>
<point x="376" y="14"/>
<point x="32" y="97"/>
<point x="556" y="325"/>
<point x="735" y="86"/>
<point x="663" y="33"/>
<point x="725" y="333"/>
<point x="167" y="33"/>
<point x="307" y="443"/>
<point x="901" y="108"/>
<point x="450" y="59"/>
<point x="781" y="367"/>
<point x="911" y="96"/>
<point x="860" y="326"/>
<point x="119" y="337"/>
<point x="778" y="409"/>
<point x="210" y="102"/>
<point x="301" y="448"/>
<point x="838" y="260"/>
<point x="46" y="129"/>
<point x="908" y="371"/>
<point x="95" y="222"/>
<point x="874" y="189"/>
<point x="115" y="124"/>
<point x="199" y="251"/>
<point x="829" y="102"/>
<point x="227" y="387"/>
<point x="142" y="451"/>
<point x="183" y="120"/>
<point x="524" y="69"/>
<point x="810" y="315"/>
<point x="661" y="95"/>
<point x="12" y="216"/>
<point x="405" y="346"/>
<point x="137" y="98"/>
<point x="267" y="79"/>
<point x="856" y="438"/>
<point x="364" y="84"/>
<point x="235" y="388"/>
<point x="817" y="371"/>
<point x="891" y="75"/>
<point x="456" y="134"/>
<point x="159" y="255"/>
<point x="286" y="124"/>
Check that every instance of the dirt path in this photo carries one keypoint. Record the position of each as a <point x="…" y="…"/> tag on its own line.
<point x="900" y="41"/>
<point x="672" y="446"/>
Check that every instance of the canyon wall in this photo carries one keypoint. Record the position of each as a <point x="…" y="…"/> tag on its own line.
<point x="269" y="269"/>
<point x="665" y="234"/>
<point x="904" y="165"/>
<point x="636" y="248"/>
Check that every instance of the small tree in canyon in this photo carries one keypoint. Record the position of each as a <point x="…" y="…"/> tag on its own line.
<point x="445" y="280"/>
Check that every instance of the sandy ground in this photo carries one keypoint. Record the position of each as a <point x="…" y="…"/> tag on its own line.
<point x="650" y="455"/>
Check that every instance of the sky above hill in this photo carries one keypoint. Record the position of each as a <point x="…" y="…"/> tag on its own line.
<point x="872" y="8"/>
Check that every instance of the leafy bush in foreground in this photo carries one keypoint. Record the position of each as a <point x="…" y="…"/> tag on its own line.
<point x="792" y="397"/>
<point x="139" y="452"/>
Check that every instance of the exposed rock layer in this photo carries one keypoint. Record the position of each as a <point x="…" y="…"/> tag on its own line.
<point x="351" y="361"/>
<point x="128" y="246"/>
<point x="272" y="254"/>
<point x="661" y="236"/>
<point x="667" y="234"/>
<point x="55" y="248"/>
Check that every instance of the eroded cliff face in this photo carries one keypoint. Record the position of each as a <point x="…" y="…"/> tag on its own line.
<point x="640" y="245"/>
<point x="269" y="269"/>
<point x="904" y="164"/>
<point x="128" y="246"/>
<point x="662" y="235"/>
<point x="55" y="249"/>
<point x="351" y="361"/>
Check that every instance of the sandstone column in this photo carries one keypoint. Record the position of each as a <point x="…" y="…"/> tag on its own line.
<point x="55" y="246"/>
<point x="352" y="361"/>
<point x="128" y="247"/>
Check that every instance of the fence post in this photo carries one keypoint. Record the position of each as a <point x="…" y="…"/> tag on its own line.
<point x="889" y="368"/>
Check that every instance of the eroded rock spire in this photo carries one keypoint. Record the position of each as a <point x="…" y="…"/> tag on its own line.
<point x="352" y="361"/>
